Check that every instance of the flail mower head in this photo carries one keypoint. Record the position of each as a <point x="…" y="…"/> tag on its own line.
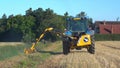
<point x="30" y="50"/>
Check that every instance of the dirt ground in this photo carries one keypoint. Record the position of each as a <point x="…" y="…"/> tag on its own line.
<point x="107" y="55"/>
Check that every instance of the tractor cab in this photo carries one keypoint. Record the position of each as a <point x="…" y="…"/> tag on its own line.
<point x="77" y="26"/>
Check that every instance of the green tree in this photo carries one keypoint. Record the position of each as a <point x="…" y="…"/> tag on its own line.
<point x="66" y="14"/>
<point x="26" y="28"/>
<point x="33" y="23"/>
<point x="3" y="23"/>
<point x="38" y="14"/>
<point x="29" y="12"/>
<point x="81" y="14"/>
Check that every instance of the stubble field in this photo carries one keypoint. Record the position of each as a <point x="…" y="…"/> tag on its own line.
<point x="107" y="55"/>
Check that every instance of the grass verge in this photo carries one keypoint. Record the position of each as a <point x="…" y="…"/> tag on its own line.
<point x="35" y="59"/>
<point x="10" y="51"/>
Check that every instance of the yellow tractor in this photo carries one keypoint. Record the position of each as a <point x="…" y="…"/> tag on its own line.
<point x="78" y="35"/>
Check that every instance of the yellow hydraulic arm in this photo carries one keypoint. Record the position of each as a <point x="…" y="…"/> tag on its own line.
<point x="32" y="48"/>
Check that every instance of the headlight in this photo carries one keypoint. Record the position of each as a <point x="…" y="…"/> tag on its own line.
<point x="86" y="39"/>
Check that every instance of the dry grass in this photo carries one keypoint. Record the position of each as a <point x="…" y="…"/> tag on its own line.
<point x="107" y="56"/>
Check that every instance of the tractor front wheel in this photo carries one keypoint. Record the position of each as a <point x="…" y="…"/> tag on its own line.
<point x="91" y="48"/>
<point x="66" y="48"/>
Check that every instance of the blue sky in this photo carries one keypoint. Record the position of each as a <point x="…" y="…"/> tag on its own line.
<point x="96" y="9"/>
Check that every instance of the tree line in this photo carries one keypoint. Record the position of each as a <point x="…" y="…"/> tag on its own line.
<point x="33" y="23"/>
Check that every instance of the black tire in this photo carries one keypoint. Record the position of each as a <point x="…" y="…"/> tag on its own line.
<point x="91" y="48"/>
<point x="65" y="48"/>
<point x="78" y="48"/>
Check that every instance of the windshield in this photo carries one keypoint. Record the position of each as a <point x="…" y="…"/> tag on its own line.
<point x="77" y="25"/>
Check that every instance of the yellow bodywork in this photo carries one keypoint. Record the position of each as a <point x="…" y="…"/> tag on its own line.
<point x="84" y="40"/>
<point x="76" y="19"/>
<point x="32" y="48"/>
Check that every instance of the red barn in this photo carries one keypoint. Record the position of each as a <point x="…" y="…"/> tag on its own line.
<point x="107" y="27"/>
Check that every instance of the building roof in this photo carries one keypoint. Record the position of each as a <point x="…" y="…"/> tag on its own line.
<point x="106" y="22"/>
